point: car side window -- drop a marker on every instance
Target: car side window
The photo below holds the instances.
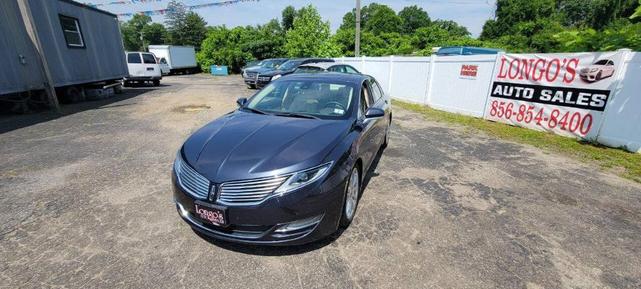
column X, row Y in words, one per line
column 337, row 68
column 148, row 58
column 376, row 91
column 133, row 58
column 365, row 101
column 350, row 69
column 163, row 61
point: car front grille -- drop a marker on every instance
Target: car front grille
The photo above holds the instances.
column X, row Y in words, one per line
column 193, row 182
column 265, row 78
column 249, row 192
column 251, row 75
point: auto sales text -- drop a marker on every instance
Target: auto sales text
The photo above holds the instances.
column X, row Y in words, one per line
column 562, row 96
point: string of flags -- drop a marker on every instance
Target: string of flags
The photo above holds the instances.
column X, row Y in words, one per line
column 164, row 11
column 121, row 2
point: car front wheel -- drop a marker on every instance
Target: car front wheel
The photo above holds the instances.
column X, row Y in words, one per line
column 350, row 204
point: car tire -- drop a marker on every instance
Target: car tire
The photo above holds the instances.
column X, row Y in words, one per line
column 386, row 140
column 352, row 193
column 156, row 82
column 251, row 86
column 599, row 76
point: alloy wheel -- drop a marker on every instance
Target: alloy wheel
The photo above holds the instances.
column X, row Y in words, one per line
column 351, row 199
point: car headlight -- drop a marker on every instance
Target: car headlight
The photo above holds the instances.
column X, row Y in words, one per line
column 244, row 73
column 303, row 178
column 277, row 76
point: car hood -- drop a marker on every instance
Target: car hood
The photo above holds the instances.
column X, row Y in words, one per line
column 243, row 145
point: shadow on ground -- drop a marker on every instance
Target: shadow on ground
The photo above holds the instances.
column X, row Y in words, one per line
column 10, row 121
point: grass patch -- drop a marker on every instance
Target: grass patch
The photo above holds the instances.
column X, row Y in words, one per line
column 618, row 161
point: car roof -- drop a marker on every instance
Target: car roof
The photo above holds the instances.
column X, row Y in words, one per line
column 356, row 79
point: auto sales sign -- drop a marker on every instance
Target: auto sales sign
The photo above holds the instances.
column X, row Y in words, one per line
column 562, row 93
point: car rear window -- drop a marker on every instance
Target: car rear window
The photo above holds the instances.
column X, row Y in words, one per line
column 133, row 58
column 148, row 58
column 308, row 69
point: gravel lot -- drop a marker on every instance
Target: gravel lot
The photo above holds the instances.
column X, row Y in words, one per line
column 85, row 202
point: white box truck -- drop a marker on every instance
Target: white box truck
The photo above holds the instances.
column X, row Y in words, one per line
column 181, row 59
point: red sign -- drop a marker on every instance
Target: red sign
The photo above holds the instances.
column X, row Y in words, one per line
column 469, row 71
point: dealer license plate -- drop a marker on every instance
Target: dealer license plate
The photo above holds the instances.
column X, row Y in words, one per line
column 214, row 215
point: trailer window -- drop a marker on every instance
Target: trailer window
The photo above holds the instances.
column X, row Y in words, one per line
column 71, row 30
column 148, row 58
column 133, row 58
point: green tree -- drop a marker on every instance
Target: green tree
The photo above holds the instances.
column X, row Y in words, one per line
column 184, row 27
column 637, row 12
column 222, row 47
column 266, row 41
column 381, row 19
column 428, row 37
column 594, row 14
column 194, row 30
column 308, row 34
column 288, row 16
column 176, row 14
column 154, row 33
column 413, row 18
column 452, row 27
column 132, row 32
column 511, row 12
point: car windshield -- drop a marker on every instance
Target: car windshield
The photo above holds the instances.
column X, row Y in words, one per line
column 290, row 64
column 325, row 100
column 270, row 63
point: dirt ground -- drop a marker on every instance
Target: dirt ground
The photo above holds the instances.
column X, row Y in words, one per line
column 85, row 202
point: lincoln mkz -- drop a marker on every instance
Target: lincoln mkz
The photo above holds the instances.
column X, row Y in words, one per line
column 287, row 167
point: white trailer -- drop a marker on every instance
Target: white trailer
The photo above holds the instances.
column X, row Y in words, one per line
column 179, row 58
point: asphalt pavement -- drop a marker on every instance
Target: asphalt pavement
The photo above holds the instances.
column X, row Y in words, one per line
column 86, row 202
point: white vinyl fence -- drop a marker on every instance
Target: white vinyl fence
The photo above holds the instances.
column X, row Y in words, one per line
column 462, row 84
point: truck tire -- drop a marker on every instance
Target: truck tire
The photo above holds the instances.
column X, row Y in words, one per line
column 75, row 94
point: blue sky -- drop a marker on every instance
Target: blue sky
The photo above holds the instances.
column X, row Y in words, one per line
column 469, row 13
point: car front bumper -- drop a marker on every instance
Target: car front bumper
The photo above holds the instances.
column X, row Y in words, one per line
column 256, row 82
column 589, row 76
column 299, row 217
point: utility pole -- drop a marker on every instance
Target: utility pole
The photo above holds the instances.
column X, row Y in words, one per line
column 30, row 25
column 357, row 37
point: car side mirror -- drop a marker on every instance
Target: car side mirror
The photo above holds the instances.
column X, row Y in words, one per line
column 241, row 101
column 374, row 112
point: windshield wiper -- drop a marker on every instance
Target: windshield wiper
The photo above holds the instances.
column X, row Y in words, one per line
column 254, row 110
column 294, row 114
